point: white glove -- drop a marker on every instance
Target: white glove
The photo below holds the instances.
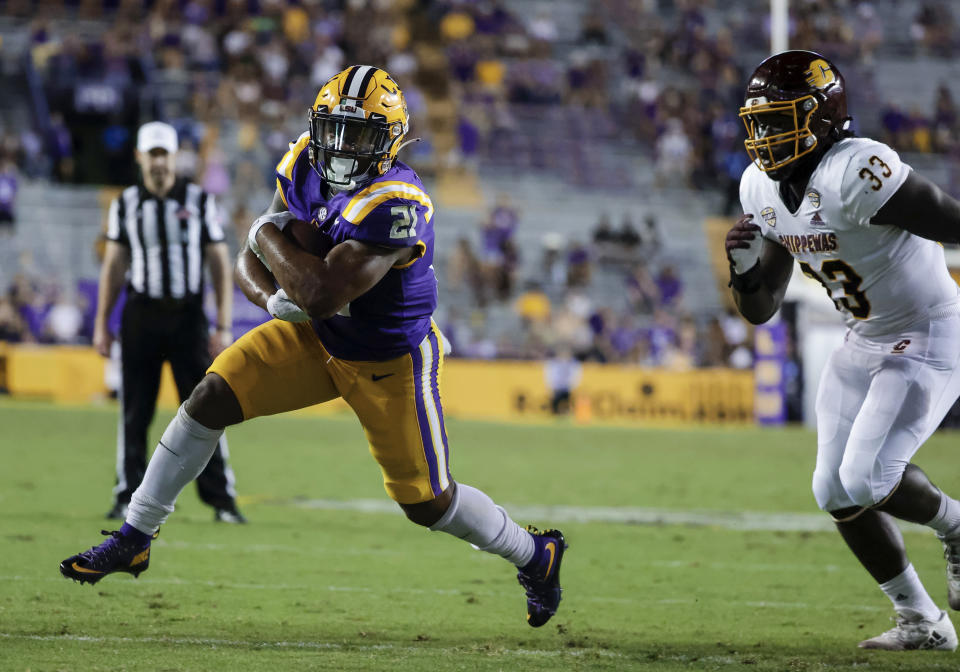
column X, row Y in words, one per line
column 281, row 307
column 279, row 219
column 743, row 243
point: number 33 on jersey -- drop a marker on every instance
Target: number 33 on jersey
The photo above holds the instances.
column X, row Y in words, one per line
column 870, row 272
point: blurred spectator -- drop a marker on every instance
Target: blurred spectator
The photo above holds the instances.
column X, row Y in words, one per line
column 61, row 148
column 563, row 373
column 650, row 238
column 868, row 31
column 670, row 286
column 64, row 320
column 945, row 120
column 8, row 195
column 533, row 306
column 553, row 269
column 932, row 28
column 12, row 327
column 578, row 266
column 464, row 273
column 603, row 231
column 714, row 348
column 499, row 255
column 674, row 156
column 627, row 235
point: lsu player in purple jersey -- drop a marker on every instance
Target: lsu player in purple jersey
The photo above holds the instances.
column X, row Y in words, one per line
column 865, row 226
column 355, row 324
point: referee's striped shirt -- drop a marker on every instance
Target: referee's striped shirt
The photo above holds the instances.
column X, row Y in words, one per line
column 166, row 237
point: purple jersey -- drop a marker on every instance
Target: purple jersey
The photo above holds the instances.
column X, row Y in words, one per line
column 393, row 210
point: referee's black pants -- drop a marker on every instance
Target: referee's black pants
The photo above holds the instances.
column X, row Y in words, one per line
column 153, row 331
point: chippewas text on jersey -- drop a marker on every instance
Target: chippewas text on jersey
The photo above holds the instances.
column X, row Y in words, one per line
column 810, row 242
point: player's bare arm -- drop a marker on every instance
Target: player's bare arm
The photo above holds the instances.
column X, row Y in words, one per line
column 116, row 261
column 218, row 258
column 923, row 209
column 323, row 286
column 758, row 291
column 251, row 276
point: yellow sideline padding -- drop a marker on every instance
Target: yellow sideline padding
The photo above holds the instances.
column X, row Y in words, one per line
column 473, row 389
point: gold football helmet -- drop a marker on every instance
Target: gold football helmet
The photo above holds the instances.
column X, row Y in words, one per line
column 357, row 125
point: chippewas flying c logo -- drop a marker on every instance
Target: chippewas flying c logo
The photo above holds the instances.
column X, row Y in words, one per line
column 819, row 74
column 901, row 346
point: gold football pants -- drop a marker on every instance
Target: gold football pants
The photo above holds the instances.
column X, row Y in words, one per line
column 282, row 366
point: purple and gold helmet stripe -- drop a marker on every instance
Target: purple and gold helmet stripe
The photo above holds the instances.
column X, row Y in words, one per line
column 425, row 369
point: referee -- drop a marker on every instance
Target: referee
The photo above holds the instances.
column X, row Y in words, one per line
column 159, row 234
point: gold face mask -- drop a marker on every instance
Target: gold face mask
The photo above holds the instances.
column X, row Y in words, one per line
column 778, row 132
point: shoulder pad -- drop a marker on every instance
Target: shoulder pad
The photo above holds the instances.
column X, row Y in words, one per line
column 379, row 194
column 285, row 167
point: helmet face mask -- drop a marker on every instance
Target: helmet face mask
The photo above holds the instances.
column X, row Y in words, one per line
column 357, row 125
column 346, row 148
column 795, row 104
column 778, row 133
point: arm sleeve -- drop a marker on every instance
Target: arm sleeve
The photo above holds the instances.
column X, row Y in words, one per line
column 873, row 174
column 212, row 230
column 115, row 229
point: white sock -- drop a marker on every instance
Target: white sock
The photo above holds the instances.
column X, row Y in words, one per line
column 948, row 517
column 184, row 450
column 474, row 517
column 906, row 592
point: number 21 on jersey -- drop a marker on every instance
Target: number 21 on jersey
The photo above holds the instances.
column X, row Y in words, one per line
column 837, row 270
column 403, row 225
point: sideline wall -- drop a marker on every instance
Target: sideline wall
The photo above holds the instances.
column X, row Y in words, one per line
column 482, row 390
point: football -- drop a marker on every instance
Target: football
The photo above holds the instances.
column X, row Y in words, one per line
column 308, row 237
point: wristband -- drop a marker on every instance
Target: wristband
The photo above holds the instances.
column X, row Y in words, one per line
column 746, row 283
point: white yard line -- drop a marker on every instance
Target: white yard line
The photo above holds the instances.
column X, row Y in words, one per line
column 251, row 644
column 731, row 520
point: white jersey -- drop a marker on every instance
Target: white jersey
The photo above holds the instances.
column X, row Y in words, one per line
column 881, row 278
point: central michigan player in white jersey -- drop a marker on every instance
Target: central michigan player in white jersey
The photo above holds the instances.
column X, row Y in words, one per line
column 863, row 224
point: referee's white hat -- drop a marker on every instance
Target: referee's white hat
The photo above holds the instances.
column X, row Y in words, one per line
column 156, row 134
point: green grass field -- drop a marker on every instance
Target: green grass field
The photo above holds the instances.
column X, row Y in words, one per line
column 328, row 576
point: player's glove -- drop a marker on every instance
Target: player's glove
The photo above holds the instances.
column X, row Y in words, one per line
column 278, row 219
column 743, row 245
column 281, row 307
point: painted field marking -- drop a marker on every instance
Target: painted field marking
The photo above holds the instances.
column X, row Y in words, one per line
column 244, row 644
column 731, row 520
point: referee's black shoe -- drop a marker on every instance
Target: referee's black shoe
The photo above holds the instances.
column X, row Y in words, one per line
column 229, row 514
